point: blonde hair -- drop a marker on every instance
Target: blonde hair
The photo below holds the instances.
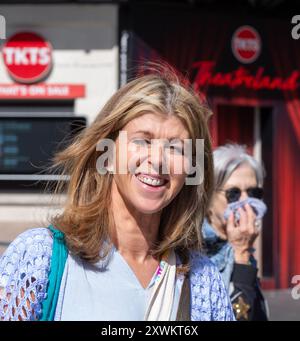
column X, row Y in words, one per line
column 87, row 219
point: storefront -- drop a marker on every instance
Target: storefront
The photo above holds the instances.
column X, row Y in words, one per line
column 58, row 66
column 248, row 68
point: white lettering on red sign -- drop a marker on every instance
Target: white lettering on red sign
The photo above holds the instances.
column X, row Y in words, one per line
column 41, row 91
column 27, row 57
column 246, row 44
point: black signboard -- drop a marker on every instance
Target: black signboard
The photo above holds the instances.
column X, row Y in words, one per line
column 27, row 144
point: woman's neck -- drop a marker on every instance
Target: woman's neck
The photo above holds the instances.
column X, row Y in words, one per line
column 134, row 233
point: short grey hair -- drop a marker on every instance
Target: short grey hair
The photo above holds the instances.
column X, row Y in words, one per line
column 228, row 158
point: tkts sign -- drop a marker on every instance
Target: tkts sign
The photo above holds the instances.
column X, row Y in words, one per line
column 246, row 44
column 27, row 57
column 28, row 60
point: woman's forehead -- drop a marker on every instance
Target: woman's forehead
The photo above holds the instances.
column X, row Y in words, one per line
column 242, row 175
column 155, row 124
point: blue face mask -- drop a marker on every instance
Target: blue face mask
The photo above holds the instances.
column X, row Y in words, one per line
column 258, row 206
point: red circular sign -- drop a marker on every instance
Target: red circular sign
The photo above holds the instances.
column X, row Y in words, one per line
column 27, row 57
column 246, row 44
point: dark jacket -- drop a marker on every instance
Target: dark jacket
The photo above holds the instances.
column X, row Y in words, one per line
column 240, row 279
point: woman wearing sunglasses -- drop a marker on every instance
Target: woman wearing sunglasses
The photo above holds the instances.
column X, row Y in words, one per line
column 232, row 225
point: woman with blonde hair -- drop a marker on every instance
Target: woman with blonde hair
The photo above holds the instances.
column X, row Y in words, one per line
column 127, row 245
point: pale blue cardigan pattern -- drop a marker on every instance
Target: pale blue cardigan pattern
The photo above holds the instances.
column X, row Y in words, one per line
column 24, row 270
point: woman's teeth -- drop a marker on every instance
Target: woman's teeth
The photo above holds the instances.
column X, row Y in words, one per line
column 151, row 181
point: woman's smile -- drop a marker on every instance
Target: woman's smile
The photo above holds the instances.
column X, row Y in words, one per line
column 151, row 183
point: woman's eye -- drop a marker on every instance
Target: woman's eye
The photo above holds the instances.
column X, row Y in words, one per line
column 176, row 149
column 141, row 141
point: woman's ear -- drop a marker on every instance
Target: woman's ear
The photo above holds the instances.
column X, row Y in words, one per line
column 209, row 215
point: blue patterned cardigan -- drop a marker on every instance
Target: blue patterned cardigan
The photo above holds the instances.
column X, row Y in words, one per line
column 25, row 266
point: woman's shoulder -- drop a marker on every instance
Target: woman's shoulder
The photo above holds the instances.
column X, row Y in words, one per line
column 31, row 251
column 33, row 235
column 204, row 275
column 32, row 241
column 24, row 269
column 202, row 265
column 210, row 300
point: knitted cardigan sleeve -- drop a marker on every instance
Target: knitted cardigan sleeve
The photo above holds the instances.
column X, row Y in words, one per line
column 209, row 297
column 24, row 269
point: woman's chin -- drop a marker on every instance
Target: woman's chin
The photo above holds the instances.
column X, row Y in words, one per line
column 149, row 207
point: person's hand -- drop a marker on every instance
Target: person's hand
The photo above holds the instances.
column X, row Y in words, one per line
column 242, row 234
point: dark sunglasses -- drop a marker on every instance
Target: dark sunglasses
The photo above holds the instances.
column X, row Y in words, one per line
column 233, row 194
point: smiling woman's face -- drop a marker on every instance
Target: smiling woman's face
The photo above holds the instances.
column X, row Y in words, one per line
column 147, row 187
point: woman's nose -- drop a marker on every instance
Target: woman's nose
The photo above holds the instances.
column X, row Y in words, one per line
column 244, row 196
column 156, row 157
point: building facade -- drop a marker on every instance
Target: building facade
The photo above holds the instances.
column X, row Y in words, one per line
column 58, row 63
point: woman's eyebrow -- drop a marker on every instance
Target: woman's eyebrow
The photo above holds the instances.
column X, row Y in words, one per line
column 144, row 132
column 149, row 134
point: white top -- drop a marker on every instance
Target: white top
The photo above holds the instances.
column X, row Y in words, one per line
column 107, row 291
